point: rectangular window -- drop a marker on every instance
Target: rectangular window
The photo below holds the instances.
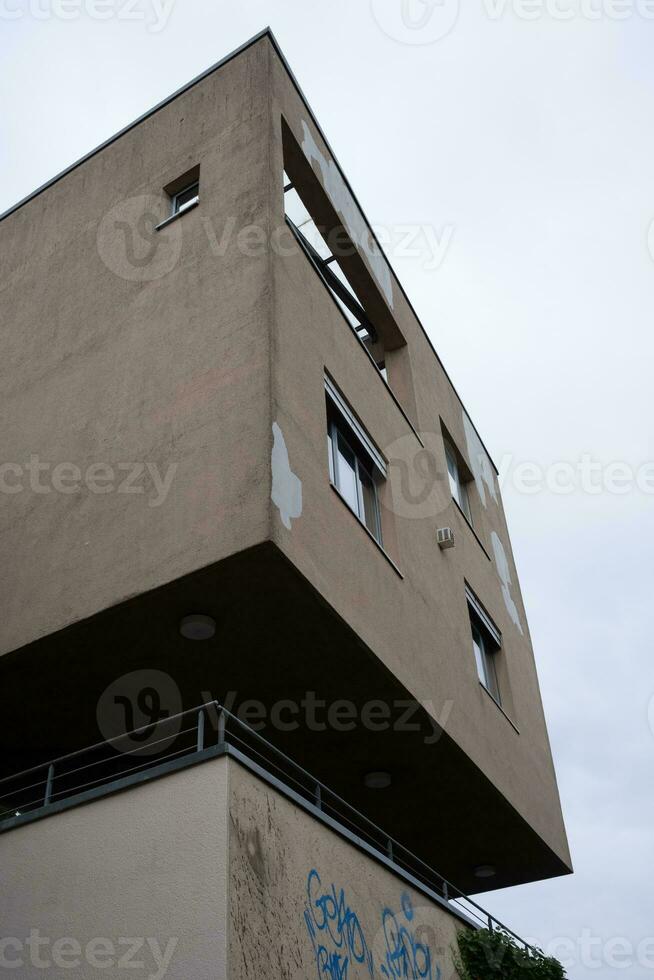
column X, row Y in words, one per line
column 313, row 242
column 183, row 199
column 485, row 660
column 458, row 485
column 355, row 466
column 486, row 644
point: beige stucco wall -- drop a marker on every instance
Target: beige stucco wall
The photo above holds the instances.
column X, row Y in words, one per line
column 149, row 864
column 120, row 345
column 417, row 623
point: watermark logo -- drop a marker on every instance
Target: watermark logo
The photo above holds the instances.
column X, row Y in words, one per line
column 420, row 486
column 416, row 22
column 144, row 707
column 131, row 247
column 415, row 241
column 153, row 13
column 143, row 710
column 418, row 482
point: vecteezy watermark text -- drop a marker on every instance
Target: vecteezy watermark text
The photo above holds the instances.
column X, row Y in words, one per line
column 43, row 477
column 592, row 952
column 153, row 13
column 316, row 714
column 420, row 22
column 100, row 953
column 140, row 711
column 586, row 475
column 131, row 247
column 567, row 10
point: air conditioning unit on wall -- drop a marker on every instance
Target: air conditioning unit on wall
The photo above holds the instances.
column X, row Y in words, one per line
column 445, row 538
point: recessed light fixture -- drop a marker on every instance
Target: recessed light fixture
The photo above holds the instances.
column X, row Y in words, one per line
column 485, row 871
column 377, row 780
column 197, row 627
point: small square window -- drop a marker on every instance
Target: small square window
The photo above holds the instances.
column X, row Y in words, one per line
column 185, row 198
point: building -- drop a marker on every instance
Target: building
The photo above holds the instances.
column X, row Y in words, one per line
column 235, row 470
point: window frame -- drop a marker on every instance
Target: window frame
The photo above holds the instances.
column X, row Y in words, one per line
column 335, row 437
column 485, row 661
column 341, row 293
column 487, row 639
column 176, row 208
column 343, row 426
column 334, row 279
column 458, row 487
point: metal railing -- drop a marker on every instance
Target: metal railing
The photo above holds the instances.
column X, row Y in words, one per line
column 195, row 736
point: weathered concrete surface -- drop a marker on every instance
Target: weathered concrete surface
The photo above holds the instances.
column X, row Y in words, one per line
column 121, row 345
column 306, row 903
column 417, row 625
column 150, row 864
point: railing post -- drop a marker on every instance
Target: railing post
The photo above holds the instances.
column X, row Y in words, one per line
column 221, row 727
column 446, row 892
column 201, row 730
column 389, row 849
column 318, row 796
column 490, row 923
column 48, row 785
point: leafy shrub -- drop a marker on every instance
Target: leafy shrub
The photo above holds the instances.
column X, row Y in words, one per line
column 494, row 955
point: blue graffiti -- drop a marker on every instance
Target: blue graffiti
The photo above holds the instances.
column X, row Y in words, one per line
column 405, row 956
column 407, row 907
column 339, row 942
column 330, row 920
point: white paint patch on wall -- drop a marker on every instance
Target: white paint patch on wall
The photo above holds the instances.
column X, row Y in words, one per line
column 351, row 216
column 286, row 492
column 504, row 572
column 482, row 468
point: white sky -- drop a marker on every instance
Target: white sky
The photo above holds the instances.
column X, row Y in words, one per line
column 527, row 145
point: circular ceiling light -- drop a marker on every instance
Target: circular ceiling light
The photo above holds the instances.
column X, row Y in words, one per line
column 197, row 627
column 377, row 780
column 485, row 871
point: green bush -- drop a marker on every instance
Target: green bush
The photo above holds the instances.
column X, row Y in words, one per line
column 494, row 955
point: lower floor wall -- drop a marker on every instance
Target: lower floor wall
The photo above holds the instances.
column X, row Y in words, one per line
column 132, row 885
column 208, row 874
column 306, row 903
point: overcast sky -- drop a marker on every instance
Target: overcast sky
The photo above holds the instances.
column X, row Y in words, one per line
column 523, row 146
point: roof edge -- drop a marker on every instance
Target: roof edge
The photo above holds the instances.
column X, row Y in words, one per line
column 265, row 32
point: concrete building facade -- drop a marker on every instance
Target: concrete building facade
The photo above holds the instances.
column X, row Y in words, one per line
column 219, row 403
